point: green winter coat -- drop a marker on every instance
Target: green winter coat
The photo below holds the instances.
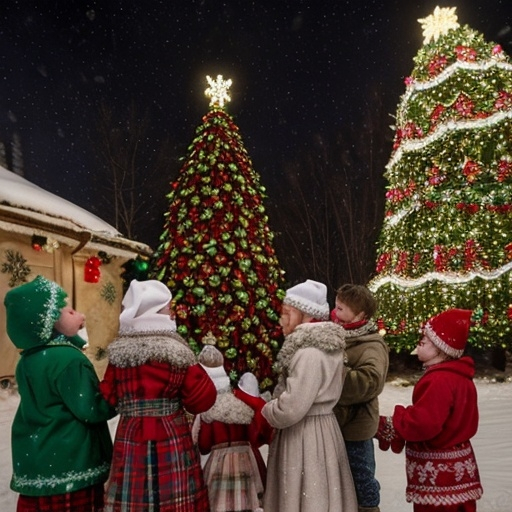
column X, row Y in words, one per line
column 60, row 437
column 367, row 357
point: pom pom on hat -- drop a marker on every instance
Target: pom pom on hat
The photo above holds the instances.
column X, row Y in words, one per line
column 212, row 360
column 449, row 331
column 248, row 383
column 211, row 357
column 310, row 298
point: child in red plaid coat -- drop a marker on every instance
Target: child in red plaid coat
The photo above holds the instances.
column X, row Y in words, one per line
column 235, row 471
column 152, row 378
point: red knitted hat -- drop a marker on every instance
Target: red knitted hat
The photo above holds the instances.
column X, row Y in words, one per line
column 449, row 331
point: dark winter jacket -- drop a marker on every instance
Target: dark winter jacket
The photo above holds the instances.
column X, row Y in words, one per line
column 357, row 410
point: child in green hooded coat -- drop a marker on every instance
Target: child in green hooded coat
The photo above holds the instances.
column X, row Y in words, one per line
column 61, row 445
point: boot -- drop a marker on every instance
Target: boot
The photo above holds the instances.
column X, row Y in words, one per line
column 368, row 509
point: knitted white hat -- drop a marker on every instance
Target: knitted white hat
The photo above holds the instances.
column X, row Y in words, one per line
column 248, row 383
column 310, row 298
column 142, row 302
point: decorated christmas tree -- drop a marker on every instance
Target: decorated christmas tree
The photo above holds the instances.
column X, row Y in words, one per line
column 216, row 252
column 446, row 240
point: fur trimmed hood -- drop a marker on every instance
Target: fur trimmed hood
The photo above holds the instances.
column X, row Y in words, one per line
column 136, row 349
column 228, row 409
column 325, row 336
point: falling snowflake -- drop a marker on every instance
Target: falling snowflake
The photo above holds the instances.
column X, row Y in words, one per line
column 16, row 265
column 108, row 293
column 439, row 23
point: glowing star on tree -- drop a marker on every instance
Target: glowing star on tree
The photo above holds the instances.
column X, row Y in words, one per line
column 439, row 23
column 218, row 90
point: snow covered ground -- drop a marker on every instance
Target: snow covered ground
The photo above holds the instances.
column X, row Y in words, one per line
column 493, row 447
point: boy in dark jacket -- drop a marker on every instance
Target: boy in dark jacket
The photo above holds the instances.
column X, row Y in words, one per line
column 357, row 410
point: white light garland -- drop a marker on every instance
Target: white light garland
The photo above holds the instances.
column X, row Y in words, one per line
column 443, row 277
column 471, row 124
column 218, row 90
column 394, row 219
column 451, row 196
column 445, row 75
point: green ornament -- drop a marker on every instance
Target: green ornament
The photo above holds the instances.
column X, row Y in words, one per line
column 242, row 296
column 211, row 251
column 198, row 291
column 248, row 338
column 214, row 280
column 199, row 310
column 224, row 271
column 188, row 282
column 245, row 264
column 230, row 353
column 230, row 248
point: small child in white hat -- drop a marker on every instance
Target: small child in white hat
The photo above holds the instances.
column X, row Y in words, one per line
column 233, row 469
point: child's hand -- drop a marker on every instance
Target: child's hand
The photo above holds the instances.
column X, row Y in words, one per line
column 388, row 437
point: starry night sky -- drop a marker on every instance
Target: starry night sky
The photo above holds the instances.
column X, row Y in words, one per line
column 299, row 69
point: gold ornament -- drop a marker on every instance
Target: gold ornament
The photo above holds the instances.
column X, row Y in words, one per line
column 209, row 339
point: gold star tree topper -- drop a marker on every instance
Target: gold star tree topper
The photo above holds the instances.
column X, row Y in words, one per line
column 218, row 90
column 439, row 23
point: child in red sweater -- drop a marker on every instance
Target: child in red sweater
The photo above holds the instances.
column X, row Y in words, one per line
column 442, row 473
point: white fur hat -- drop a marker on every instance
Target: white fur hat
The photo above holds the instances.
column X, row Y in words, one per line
column 248, row 383
column 309, row 297
column 142, row 301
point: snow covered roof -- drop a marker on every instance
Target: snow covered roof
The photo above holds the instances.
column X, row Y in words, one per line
column 30, row 207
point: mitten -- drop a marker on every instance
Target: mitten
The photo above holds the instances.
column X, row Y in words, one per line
column 388, row 437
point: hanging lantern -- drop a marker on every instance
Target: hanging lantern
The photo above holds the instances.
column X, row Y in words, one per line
column 92, row 272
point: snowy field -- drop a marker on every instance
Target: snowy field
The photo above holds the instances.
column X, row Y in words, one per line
column 492, row 444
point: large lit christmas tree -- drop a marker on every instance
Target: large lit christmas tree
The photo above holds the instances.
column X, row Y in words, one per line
column 216, row 252
column 447, row 234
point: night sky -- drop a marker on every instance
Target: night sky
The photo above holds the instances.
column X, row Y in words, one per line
column 299, row 69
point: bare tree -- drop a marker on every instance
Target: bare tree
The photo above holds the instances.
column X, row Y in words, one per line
column 134, row 172
column 330, row 211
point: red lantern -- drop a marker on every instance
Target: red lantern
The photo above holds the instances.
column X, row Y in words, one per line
column 92, row 272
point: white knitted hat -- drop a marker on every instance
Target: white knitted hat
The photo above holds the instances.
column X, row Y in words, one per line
column 310, row 298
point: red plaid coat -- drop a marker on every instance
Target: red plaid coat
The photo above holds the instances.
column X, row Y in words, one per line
column 152, row 379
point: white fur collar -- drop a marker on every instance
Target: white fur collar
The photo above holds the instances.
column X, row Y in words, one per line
column 325, row 336
column 228, row 409
column 136, row 349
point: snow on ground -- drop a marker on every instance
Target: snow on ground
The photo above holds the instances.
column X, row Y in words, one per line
column 492, row 444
